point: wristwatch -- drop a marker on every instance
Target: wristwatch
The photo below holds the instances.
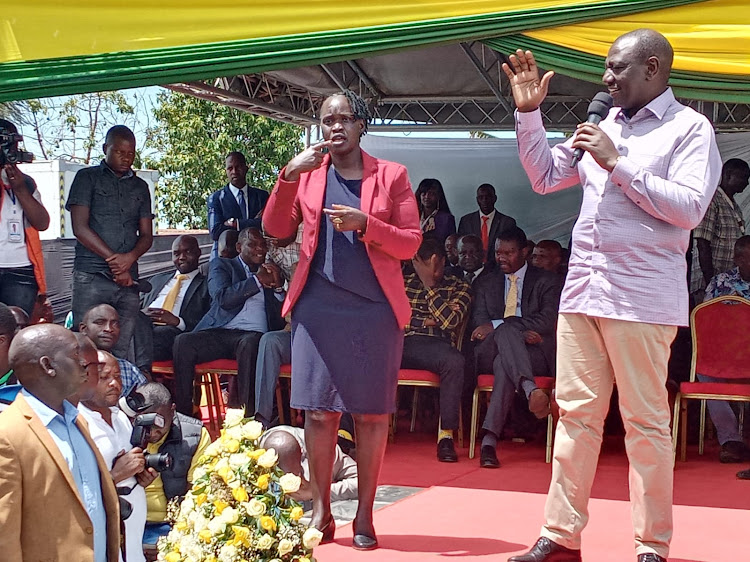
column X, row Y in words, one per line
column 278, row 290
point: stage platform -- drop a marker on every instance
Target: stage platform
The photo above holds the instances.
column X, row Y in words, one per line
column 436, row 511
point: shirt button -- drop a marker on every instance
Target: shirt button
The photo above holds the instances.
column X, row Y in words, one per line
column 597, row 221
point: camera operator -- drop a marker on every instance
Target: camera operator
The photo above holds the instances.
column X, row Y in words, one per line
column 111, row 430
column 185, row 439
column 22, row 216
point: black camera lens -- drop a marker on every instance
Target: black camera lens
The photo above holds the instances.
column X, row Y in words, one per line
column 159, row 461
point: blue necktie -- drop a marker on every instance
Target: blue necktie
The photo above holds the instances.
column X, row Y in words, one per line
column 243, row 205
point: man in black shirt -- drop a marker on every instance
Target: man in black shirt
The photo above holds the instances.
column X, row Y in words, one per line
column 112, row 220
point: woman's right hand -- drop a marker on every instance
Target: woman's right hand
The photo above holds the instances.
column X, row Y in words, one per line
column 306, row 161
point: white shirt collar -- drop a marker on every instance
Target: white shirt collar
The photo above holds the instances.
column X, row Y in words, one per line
column 190, row 276
column 490, row 217
column 235, row 190
column 520, row 274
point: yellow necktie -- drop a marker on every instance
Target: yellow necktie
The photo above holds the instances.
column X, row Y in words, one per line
column 511, row 301
column 171, row 297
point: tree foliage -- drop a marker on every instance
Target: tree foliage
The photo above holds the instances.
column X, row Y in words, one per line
column 73, row 127
column 192, row 138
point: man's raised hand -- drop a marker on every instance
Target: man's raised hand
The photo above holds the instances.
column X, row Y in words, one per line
column 528, row 90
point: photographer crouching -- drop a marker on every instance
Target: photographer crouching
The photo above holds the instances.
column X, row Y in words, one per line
column 182, row 437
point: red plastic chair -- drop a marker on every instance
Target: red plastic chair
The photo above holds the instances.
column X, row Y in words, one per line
column 419, row 378
column 209, row 373
column 485, row 383
column 721, row 349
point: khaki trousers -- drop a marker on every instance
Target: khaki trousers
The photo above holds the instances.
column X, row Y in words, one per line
column 592, row 355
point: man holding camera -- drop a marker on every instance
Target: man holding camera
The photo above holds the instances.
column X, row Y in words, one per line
column 111, row 431
column 184, row 439
column 22, row 217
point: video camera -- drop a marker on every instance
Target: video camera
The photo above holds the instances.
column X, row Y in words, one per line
column 9, row 151
column 133, row 404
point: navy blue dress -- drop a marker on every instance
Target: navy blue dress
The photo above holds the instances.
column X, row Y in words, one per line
column 346, row 343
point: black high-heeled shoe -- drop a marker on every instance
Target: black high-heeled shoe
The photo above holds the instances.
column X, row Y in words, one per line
column 362, row 541
column 328, row 530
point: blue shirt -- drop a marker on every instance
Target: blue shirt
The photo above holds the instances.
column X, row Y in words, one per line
column 726, row 284
column 130, row 376
column 520, row 276
column 81, row 461
column 252, row 317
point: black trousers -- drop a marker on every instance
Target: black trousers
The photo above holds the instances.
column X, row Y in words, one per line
column 510, row 359
column 207, row 345
column 440, row 357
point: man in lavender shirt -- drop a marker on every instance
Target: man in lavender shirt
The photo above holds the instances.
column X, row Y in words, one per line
column 648, row 172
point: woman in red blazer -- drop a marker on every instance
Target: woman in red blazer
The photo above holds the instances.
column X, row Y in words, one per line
column 360, row 220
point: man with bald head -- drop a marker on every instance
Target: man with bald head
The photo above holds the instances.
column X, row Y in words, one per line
column 178, row 299
column 648, row 172
column 57, row 499
column 289, row 444
column 102, row 325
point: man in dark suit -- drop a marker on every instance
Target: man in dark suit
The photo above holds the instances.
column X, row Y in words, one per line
column 514, row 314
column 487, row 222
column 178, row 299
column 471, row 262
column 236, row 205
column 246, row 297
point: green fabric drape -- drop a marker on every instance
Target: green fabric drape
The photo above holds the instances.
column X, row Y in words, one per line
column 41, row 78
column 585, row 66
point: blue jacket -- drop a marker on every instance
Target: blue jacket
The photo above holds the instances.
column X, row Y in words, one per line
column 229, row 288
column 222, row 206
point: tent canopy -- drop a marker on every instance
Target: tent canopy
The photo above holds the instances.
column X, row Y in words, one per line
column 51, row 48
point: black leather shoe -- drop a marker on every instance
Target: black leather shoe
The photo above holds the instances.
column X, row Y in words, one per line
column 488, row 457
column 445, row 450
column 744, row 474
column 547, row 551
column 733, row 452
column 650, row 557
column 364, row 542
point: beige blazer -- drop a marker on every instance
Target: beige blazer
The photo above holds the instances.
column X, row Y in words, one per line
column 42, row 517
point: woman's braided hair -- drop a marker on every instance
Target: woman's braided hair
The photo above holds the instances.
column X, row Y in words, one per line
column 358, row 106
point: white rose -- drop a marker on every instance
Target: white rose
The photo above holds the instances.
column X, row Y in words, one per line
column 311, row 538
column 290, row 483
column 199, row 473
column 252, row 430
column 227, row 553
column 265, row 542
column 234, row 432
column 230, row 515
column 285, row 547
column 268, row 459
column 187, row 506
column 217, row 526
column 213, row 450
column 223, row 463
column 234, row 483
column 234, row 417
column 254, row 508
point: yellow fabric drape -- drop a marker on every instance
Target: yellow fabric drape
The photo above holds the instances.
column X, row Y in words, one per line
column 708, row 37
column 48, row 29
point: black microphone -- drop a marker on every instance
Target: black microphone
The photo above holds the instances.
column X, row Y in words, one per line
column 598, row 110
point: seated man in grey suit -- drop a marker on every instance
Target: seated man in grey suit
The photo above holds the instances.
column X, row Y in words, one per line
column 487, row 222
column 246, row 296
column 514, row 314
column 177, row 300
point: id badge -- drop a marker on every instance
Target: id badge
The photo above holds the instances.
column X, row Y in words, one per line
column 15, row 232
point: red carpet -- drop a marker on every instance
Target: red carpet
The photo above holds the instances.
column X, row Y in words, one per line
column 474, row 514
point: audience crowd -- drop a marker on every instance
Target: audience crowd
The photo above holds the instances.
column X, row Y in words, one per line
column 484, row 301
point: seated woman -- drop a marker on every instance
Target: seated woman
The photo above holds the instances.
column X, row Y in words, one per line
column 435, row 216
